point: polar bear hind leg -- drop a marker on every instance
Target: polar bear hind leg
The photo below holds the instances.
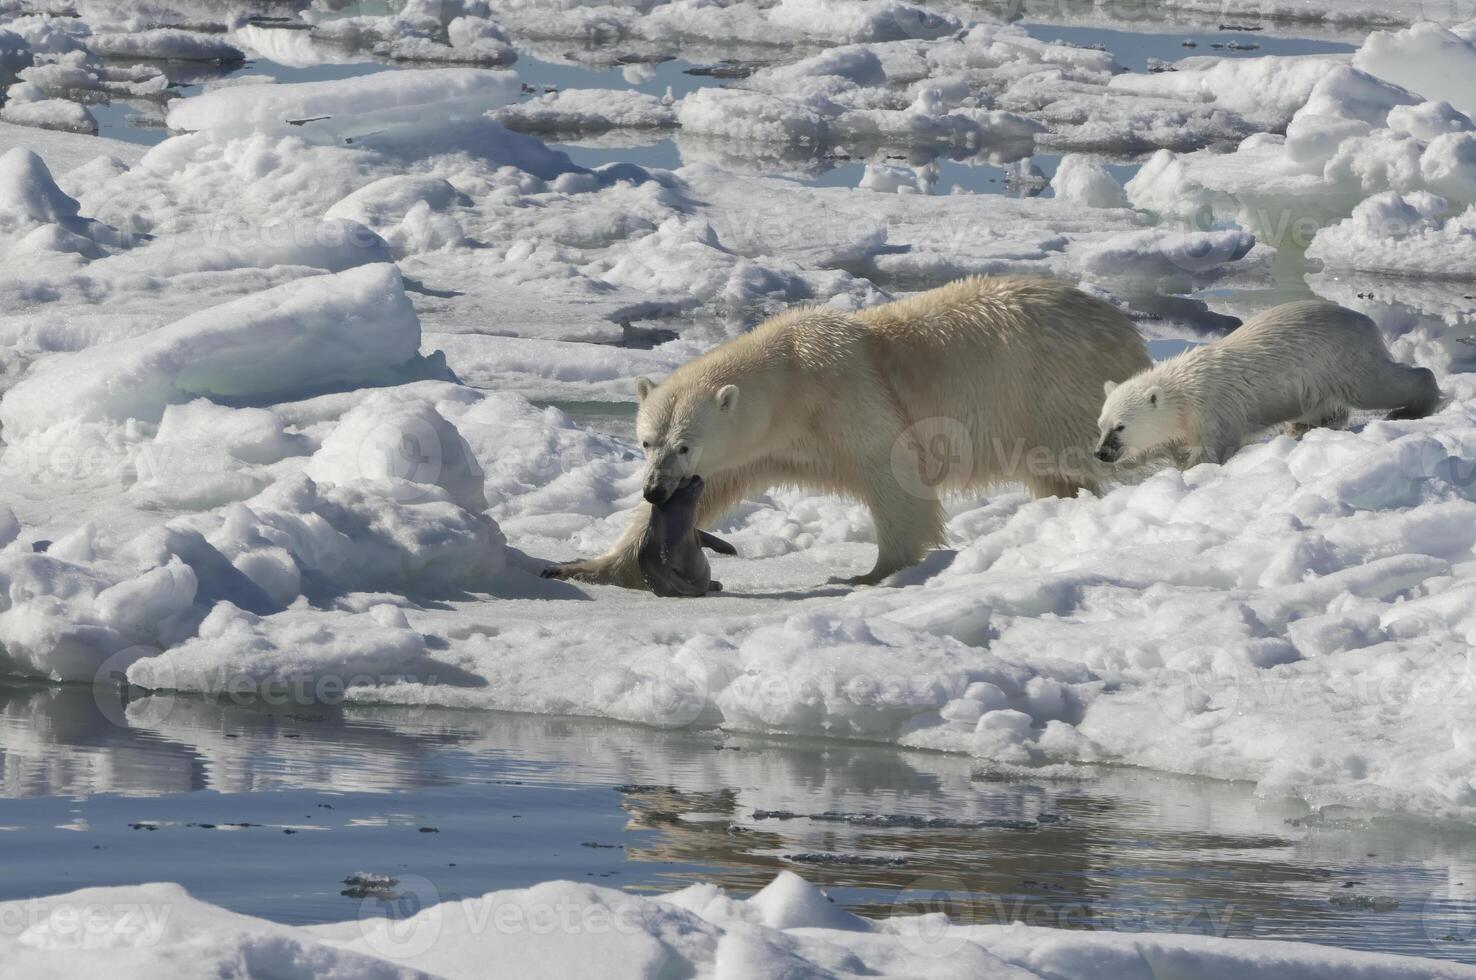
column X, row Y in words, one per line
column 1056, row 485
column 1404, row 392
column 1321, row 417
column 907, row 522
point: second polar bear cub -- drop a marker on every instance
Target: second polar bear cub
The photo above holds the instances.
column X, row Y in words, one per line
column 1305, row 364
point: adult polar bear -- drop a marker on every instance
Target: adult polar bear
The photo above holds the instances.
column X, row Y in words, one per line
column 979, row 382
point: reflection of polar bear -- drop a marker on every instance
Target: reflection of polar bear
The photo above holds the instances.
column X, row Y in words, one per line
column 1302, row 363
column 981, row 381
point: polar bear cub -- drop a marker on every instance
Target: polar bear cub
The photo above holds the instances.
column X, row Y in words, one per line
column 1305, row 364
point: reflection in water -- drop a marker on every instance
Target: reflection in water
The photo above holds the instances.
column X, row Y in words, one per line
column 100, row 791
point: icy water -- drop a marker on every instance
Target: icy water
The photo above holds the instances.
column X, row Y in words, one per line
column 142, row 121
column 266, row 809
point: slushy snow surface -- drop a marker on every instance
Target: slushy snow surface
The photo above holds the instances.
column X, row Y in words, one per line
column 275, row 416
column 561, row 929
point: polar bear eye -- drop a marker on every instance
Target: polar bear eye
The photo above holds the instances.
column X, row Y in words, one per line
column 645, row 445
column 1120, row 427
column 682, row 450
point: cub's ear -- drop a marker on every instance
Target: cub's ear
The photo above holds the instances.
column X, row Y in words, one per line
column 727, row 397
column 1154, row 397
column 643, row 388
column 1107, row 387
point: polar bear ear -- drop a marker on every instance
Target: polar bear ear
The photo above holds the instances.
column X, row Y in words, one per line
column 643, row 388
column 727, row 397
column 1107, row 387
column 1153, row 397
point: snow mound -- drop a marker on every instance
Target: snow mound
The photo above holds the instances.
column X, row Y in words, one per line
column 344, row 106
column 846, row 21
column 166, row 44
column 160, row 931
column 37, row 219
column 1156, row 252
column 1080, row 180
column 1427, row 59
column 394, row 437
column 350, row 328
column 588, row 111
column 1413, row 234
column 789, row 929
column 1394, row 121
column 58, row 114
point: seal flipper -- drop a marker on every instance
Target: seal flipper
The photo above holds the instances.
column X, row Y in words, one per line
column 670, row 583
column 714, row 543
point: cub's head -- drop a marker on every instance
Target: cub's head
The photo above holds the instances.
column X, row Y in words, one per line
column 682, row 422
column 1135, row 419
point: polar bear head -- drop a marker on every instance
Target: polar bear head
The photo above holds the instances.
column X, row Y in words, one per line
column 1135, row 419
column 683, row 423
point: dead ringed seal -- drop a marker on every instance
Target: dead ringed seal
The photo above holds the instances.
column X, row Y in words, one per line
column 670, row 556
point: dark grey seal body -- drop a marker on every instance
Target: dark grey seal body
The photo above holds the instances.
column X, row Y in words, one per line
column 670, row 556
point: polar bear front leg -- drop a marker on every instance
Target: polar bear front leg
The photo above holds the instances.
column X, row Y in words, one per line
column 1217, row 443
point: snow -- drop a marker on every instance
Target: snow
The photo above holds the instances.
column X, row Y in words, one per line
column 391, row 438
column 341, row 330
column 1389, row 123
column 59, row 114
column 64, row 152
column 1414, row 234
column 562, row 929
column 165, row 43
column 385, row 98
column 1350, row 13
column 1427, row 58
column 1080, row 180
column 588, row 110
column 1269, row 90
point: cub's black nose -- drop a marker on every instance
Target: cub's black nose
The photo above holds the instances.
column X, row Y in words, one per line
column 1107, row 454
column 656, row 495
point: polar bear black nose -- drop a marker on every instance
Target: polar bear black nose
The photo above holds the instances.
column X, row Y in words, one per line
column 656, row 495
column 1107, row 453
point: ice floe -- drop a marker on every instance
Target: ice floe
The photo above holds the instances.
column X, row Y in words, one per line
column 562, row 928
column 1379, row 152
